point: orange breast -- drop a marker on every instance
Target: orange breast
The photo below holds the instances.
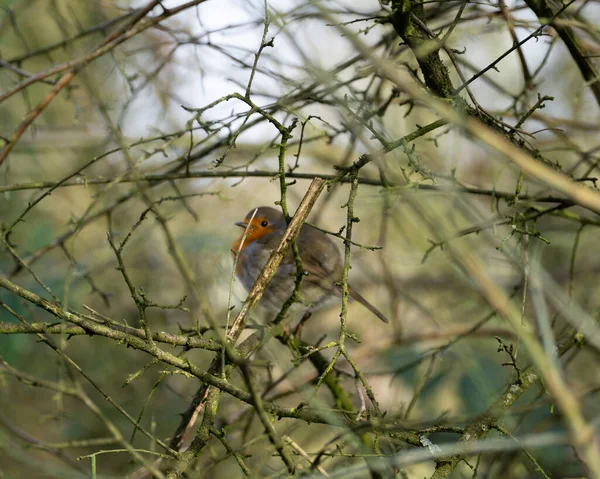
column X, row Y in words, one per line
column 249, row 235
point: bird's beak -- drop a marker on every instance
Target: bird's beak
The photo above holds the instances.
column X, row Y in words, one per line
column 241, row 224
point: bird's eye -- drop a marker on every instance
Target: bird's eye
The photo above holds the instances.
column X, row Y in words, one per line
column 264, row 224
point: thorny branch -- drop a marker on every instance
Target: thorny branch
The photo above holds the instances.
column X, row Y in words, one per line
column 403, row 123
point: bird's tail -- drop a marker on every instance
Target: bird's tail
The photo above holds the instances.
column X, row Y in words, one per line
column 355, row 295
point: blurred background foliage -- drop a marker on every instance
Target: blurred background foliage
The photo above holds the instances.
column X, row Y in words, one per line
column 123, row 113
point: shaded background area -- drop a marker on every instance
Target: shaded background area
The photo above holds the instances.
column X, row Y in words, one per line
column 135, row 111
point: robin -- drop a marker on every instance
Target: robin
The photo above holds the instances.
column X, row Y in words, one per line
column 321, row 262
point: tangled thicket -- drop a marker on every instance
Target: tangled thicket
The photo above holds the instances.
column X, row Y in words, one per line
column 450, row 148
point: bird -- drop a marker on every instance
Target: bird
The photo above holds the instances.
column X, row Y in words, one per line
column 322, row 263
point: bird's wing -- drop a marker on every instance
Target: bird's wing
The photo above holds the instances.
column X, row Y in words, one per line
column 320, row 257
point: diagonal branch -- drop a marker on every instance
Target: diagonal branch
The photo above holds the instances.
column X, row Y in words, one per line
column 546, row 11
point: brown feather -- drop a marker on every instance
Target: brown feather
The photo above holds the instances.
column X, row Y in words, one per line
column 321, row 259
column 354, row 295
